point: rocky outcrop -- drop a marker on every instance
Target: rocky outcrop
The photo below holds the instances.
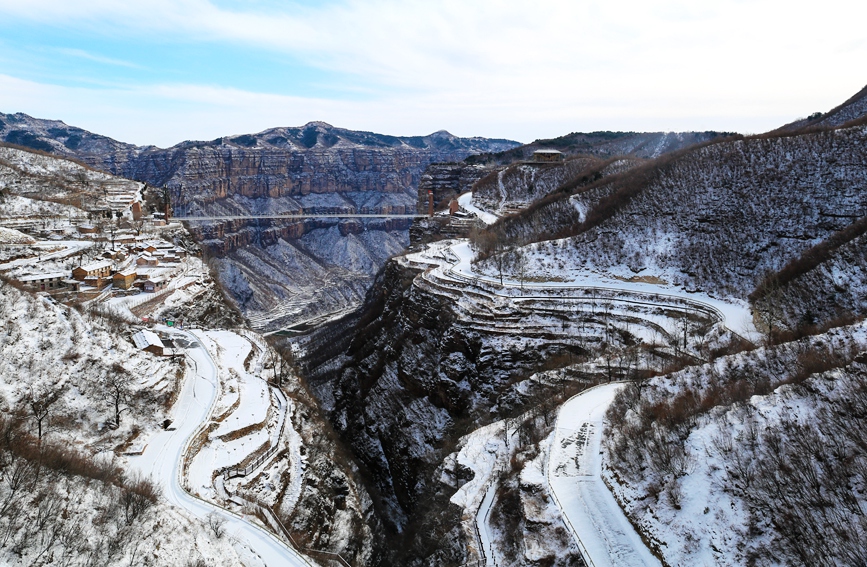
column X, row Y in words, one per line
column 446, row 181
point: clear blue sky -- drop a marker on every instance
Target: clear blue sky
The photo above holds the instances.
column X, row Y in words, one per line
column 164, row 71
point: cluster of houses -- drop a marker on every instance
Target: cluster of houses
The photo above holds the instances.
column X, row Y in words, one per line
column 147, row 265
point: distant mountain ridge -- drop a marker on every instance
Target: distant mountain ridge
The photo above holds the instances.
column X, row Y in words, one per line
column 279, row 273
column 604, row 144
column 56, row 136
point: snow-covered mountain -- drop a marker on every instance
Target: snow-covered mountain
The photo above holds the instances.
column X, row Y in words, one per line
column 714, row 293
column 312, row 168
column 717, row 217
column 99, row 411
column 459, row 341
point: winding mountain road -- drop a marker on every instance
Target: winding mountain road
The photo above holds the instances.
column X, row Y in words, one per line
column 164, row 453
column 604, row 535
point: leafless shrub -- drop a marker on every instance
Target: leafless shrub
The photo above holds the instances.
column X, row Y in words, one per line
column 138, row 495
column 217, row 524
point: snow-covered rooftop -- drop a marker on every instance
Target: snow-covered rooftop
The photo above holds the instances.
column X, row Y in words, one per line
column 145, row 338
column 96, row 266
column 48, row 276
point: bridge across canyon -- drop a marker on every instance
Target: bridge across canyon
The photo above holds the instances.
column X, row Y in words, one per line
column 297, row 216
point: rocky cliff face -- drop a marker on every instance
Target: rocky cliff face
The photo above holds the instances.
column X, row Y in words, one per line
column 428, row 359
column 446, row 181
column 415, row 375
column 279, row 273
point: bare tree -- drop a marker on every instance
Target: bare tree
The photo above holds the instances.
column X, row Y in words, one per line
column 138, row 225
column 770, row 309
column 282, row 363
column 113, row 387
column 217, row 524
column 521, row 264
column 40, row 405
column 112, row 227
column 138, row 496
column 80, row 177
column 510, row 427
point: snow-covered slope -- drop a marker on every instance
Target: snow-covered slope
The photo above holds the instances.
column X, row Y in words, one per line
column 49, row 178
column 49, row 349
column 714, row 218
column 69, row 377
column 824, row 284
column 754, row 459
column 516, row 186
column 853, row 109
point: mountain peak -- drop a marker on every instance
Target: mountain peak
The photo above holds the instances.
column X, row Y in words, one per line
column 318, row 124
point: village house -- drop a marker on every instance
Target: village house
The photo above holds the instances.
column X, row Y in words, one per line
column 148, row 341
column 97, row 282
column 547, row 156
column 124, row 279
column 87, row 229
column 92, row 270
column 147, row 260
column 44, row 282
column 152, row 285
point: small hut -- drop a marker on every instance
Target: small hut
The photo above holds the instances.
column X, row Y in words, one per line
column 547, row 156
column 149, row 341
